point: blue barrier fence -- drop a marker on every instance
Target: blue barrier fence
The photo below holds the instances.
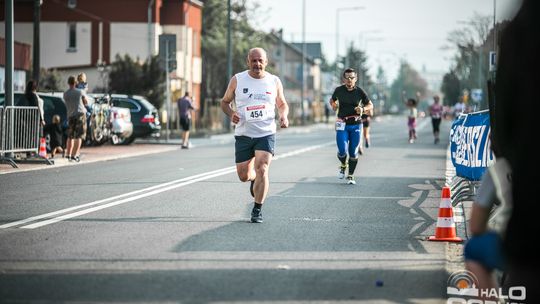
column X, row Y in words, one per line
column 470, row 145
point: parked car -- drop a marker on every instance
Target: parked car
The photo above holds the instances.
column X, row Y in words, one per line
column 144, row 115
column 118, row 122
column 53, row 104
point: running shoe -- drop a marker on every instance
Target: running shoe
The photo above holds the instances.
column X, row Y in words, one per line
column 256, row 215
column 251, row 188
column 341, row 173
column 367, row 143
column 350, row 180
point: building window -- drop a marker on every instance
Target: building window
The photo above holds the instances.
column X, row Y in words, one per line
column 72, row 3
column 72, row 37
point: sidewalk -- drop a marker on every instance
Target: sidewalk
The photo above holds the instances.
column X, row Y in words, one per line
column 141, row 147
column 92, row 154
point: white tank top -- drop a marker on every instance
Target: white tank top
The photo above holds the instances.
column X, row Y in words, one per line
column 256, row 103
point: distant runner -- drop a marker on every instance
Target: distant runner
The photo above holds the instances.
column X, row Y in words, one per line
column 350, row 102
column 436, row 111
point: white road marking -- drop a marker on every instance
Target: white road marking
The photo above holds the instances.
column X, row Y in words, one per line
column 134, row 195
column 47, row 215
column 123, row 201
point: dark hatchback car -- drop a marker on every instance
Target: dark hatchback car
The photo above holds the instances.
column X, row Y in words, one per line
column 144, row 115
column 53, row 103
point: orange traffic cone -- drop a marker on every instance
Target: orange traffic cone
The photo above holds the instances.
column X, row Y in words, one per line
column 446, row 227
column 43, row 148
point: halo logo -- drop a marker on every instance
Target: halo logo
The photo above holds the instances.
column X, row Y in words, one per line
column 462, row 288
column 462, row 283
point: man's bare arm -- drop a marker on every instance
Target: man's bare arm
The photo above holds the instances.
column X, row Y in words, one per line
column 283, row 106
column 333, row 104
column 227, row 99
column 368, row 109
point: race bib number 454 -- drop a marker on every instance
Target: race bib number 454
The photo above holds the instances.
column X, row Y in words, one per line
column 256, row 113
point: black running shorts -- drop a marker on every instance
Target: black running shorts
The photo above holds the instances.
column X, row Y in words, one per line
column 245, row 146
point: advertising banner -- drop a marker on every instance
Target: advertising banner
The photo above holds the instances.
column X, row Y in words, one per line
column 470, row 145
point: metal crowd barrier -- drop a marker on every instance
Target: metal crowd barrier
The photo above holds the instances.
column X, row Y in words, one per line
column 20, row 128
column 471, row 155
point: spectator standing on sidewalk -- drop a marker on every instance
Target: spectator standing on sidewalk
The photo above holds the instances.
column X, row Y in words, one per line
column 459, row 108
column 32, row 99
column 257, row 94
column 76, row 102
column 185, row 106
column 436, row 111
column 327, row 109
column 515, row 121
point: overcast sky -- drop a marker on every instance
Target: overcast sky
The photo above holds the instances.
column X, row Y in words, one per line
column 389, row 29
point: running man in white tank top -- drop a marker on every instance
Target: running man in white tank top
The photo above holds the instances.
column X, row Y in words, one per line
column 257, row 94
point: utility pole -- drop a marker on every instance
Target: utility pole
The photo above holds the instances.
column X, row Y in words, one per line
column 167, row 55
column 150, row 31
column 303, row 88
column 9, row 65
column 36, row 44
column 168, row 81
column 226, row 119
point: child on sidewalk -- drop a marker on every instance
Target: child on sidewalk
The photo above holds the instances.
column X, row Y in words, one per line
column 55, row 134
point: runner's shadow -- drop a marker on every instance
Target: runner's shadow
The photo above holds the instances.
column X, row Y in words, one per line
column 321, row 216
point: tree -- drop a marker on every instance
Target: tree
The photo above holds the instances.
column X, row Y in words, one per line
column 130, row 77
column 357, row 59
column 153, row 82
column 50, row 80
column 382, row 84
column 214, row 43
column 472, row 44
column 451, row 88
column 125, row 76
column 408, row 82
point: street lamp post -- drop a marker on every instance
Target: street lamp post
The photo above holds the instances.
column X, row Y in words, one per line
column 226, row 123
column 303, row 89
column 338, row 10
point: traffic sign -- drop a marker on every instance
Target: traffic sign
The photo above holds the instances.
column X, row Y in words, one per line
column 476, row 94
column 167, row 51
column 492, row 61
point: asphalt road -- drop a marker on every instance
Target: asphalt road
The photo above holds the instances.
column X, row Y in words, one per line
column 174, row 226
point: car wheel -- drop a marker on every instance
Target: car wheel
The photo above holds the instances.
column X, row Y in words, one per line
column 116, row 140
column 128, row 140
